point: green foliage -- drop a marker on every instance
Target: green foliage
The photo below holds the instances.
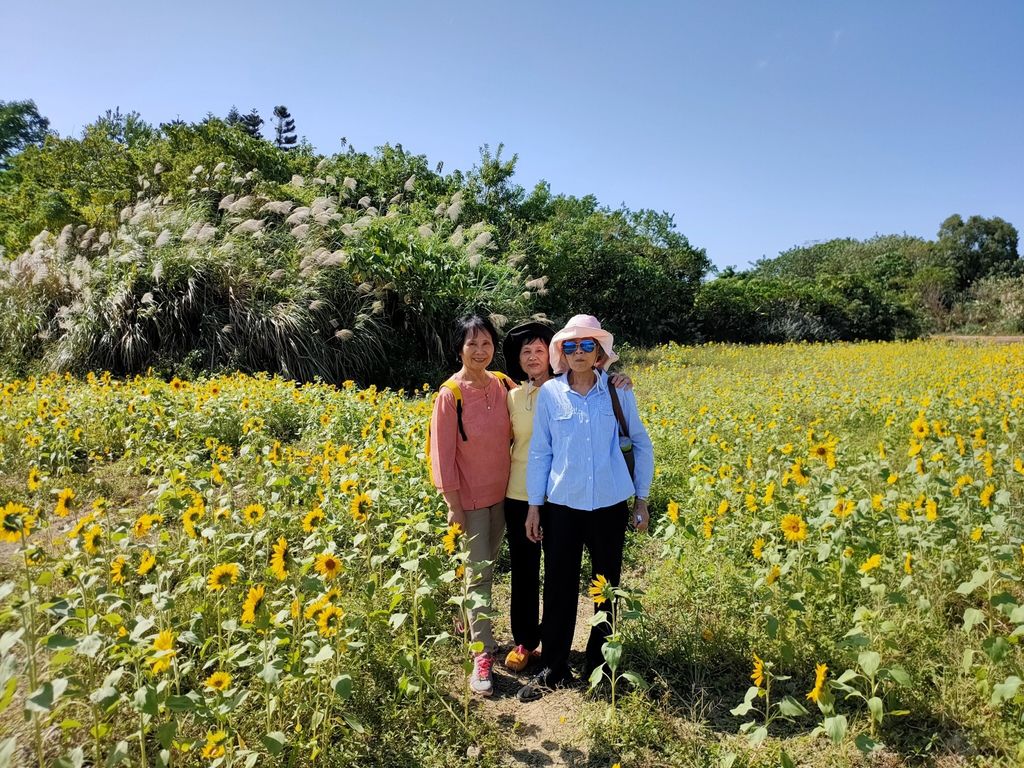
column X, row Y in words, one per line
column 631, row 269
column 978, row 247
column 21, row 126
column 768, row 310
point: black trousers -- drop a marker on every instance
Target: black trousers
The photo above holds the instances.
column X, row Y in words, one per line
column 524, row 612
column 566, row 532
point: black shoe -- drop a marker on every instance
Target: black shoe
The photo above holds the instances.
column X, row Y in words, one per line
column 543, row 682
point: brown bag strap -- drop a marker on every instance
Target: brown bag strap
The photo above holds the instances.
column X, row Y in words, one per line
column 623, row 429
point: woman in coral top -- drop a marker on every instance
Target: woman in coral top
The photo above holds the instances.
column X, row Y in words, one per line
column 470, row 466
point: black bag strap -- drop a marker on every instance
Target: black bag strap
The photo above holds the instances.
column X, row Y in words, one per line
column 619, row 417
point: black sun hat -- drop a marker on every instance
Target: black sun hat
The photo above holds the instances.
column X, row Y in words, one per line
column 514, row 341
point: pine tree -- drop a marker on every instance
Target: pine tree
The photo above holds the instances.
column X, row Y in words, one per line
column 251, row 124
column 286, row 137
column 234, row 116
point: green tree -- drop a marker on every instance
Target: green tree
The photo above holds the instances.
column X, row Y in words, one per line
column 21, row 126
column 284, row 131
column 977, row 247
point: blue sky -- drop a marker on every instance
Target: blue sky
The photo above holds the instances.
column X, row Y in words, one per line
column 758, row 124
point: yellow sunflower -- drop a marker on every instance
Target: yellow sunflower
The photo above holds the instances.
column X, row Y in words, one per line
column 64, row 499
column 758, row 674
column 820, row 671
column 600, row 589
column 758, row 549
column 91, row 539
column 252, row 603
column 673, row 512
column 312, row 520
column 360, row 507
column 253, row 513
column 793, row 528
column 214, row 746
column 218, row 681
column 146, row 563
column 117, row 569
column 34, row 479
column 328, row 565
column 870, row 564
column 329, row 620
column 15, row 521
column 163, row 652
column 222, row 576
column 277, row 559
column 450, row 539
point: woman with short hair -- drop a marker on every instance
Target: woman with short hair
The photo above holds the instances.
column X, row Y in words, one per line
column 469, row 455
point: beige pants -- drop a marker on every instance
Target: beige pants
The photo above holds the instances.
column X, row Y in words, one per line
column 484, row 529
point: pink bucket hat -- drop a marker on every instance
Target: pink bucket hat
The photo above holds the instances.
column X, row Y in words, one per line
column 581, row 327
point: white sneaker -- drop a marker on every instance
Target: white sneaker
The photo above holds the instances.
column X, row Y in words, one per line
column 480, row 680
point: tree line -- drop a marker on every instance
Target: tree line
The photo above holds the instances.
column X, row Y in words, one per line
column 205, row 245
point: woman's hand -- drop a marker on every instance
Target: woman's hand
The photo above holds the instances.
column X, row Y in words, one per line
column 641, row 517
column 533, row 529
column 457, row 517
column 456, row 514
column 621, row 381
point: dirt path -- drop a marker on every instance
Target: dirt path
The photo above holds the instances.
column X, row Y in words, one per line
column 962, row 339
column 547, row 732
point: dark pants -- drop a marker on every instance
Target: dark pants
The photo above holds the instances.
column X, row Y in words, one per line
column 524, row 554
column 566, row 532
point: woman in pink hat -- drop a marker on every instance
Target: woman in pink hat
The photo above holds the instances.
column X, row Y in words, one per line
column 578, row 487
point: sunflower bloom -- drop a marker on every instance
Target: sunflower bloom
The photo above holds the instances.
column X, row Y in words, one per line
column 843, row 508
column 117, row 569
column 758, row 674
column 146, row 563
column 252, row 603
column 64, row 499
column 769, row 493
column 599, row 589
column 34, row 480
column 15, row 521
column 163, row 652
column 218, row 681
column 793, row 528
column 328, row 565
column 312, row 520
column 758, row 548
column 360, row 507
column 450, row 539
column 253, row 513
column 673, row 512
column 773, row 576
column 907, row 567
column 976, row 534
column 329, row 620
column 214, row 746
column 91, row 539
column 820, row 671
column 222, row 576
column 986, row 495
column 870, row 564
column 190, row 518
column 277, row 560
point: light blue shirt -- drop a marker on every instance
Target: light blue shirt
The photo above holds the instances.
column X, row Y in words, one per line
column 575, row 459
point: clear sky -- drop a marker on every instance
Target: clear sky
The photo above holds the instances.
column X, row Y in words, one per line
column 759, row 124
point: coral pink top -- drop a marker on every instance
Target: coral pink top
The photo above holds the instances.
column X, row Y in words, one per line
column 477, row 467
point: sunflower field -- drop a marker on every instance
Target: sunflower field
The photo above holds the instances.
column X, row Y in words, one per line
column 243, row 570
